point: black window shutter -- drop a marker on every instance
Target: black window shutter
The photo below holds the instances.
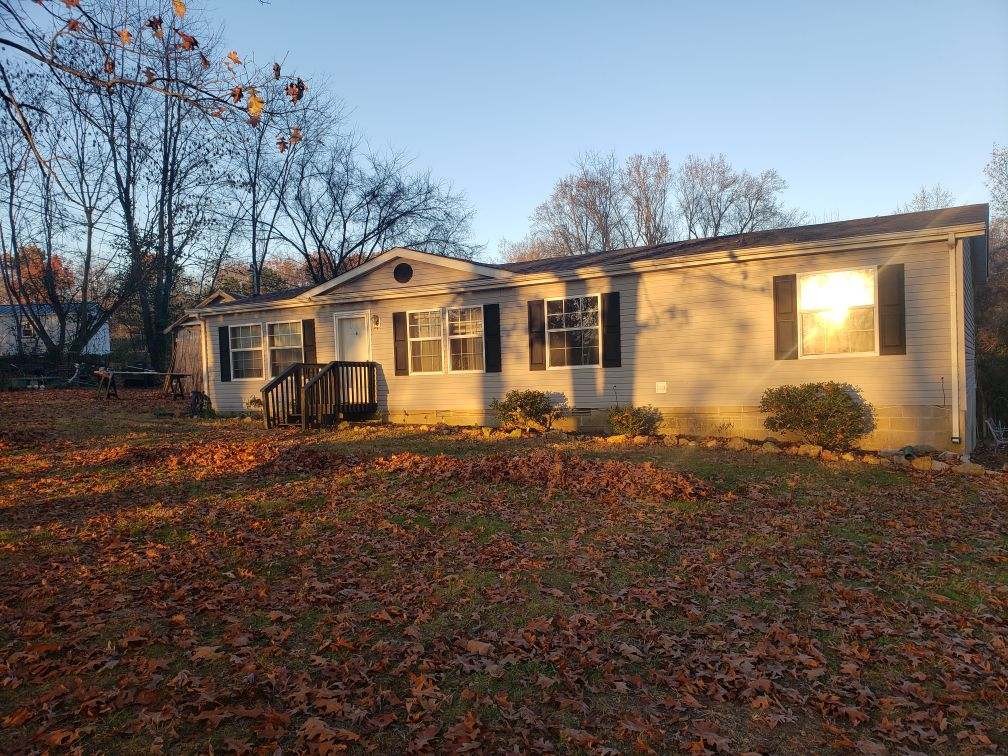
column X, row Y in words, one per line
column 308, row 338
column 492, row 337
column 892, row 309
column 224, row 349
column 785, row 297
column 537, row 334
column 400, row 343
column 612, row 355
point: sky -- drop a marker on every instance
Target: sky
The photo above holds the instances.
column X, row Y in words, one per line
column 856, row 104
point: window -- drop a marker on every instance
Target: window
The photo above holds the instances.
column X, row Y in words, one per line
column 28, row 331
column 572, row 331
column 403, row 272
column 246, row 351
column 465, row 338
column 286, row 346
column 425, row 341
column 837, row 312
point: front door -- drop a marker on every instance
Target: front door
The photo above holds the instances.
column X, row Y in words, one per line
column 353, row 339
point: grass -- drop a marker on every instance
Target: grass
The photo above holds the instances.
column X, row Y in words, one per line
column 261, row 582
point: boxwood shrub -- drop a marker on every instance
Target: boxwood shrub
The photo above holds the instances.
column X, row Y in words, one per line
column 529, row 409
column 830, row 414
column 635, row 421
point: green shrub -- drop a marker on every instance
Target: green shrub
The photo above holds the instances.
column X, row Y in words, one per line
column 635, row 421
column 529, row 410
column 829, row 414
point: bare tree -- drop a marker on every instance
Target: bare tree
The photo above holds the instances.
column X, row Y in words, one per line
column 717, row 200
column 344, row 205
column 933, row 198
column 647, row 184
column 130, row 45
column 262, row 158
column 606, row 205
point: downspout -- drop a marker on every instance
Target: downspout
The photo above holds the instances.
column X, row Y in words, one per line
column 955, row 305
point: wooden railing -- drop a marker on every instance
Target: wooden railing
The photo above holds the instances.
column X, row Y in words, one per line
column 281, row 397
column 340, row 391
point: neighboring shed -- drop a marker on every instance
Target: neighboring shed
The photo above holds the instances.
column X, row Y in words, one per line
column 188, row 343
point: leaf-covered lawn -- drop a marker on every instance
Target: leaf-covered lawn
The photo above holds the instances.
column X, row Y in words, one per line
column 188, row 584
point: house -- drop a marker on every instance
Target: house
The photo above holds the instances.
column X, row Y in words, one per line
column 18, row 335
column 697, row 328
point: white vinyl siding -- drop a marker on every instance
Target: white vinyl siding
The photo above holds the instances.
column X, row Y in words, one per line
column 706, row 332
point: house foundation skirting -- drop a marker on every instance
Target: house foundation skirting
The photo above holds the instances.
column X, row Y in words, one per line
column 896, row 425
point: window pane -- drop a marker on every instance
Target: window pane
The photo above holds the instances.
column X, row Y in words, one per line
column 284, row 334
column 846, row 332
column 465, row 321
column 281, row 359
column 246, row 337
column 467, row 353
column 837, row 290
column 247, row 363
column 425, row 324
column 425, row 356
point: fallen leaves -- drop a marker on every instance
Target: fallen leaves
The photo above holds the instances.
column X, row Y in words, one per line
column 382, row 591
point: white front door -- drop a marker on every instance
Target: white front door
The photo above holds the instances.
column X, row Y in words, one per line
column 353, row 338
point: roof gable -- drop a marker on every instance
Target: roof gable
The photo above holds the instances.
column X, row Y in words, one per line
column 427, row 269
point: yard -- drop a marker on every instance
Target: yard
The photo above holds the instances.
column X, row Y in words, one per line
column 186, row 584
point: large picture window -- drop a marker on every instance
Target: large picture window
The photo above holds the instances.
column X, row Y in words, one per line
column 426, row 340
column 465, row 339
column 246, row 351
column 573, row 331
column 286, row 345
column 837, row 313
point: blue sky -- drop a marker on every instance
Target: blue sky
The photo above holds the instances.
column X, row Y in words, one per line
column 856, row 104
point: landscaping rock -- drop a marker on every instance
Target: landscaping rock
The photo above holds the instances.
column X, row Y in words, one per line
column 939, row 466
column 809, row 450
column 711, row 443
column 921, row 463
column 969, row 468
column 950, row 458
column 737, row 444
column 848, row 457
column 516, row 433
column 683, row 441
column 617, row 439
column 642, row 440
column 829, row 456
column 871, row 459
column 769, row 447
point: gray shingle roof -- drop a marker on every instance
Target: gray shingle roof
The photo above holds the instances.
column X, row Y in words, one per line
column 883, row 224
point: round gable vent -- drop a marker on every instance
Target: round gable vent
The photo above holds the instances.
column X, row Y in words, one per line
column 402, row 272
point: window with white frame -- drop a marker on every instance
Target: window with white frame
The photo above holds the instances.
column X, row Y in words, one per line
column 837, row 312
column 426, row 341
column 286, row 345
column 465, row 339
column 246, row 351
column 573, row 332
